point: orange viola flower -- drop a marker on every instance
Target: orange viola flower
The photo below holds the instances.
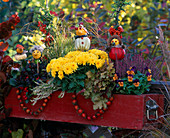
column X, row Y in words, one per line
column 130, row 72
column 115, row 77
column 120, row 83
column 136, row 84
column 149, row 77
column 149, row 70
column 130, row 78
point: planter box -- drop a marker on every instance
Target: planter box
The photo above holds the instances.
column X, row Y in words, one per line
column 126, row 111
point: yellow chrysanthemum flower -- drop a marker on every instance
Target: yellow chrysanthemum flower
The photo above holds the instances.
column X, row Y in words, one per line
column 99, row 63
column 61, row 75
column 70, row 62
column 74, row 65
column 53, row 73
column 56, row 67
column 48, row 68
column 67, row 69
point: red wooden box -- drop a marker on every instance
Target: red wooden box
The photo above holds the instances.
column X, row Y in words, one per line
column 126, row 111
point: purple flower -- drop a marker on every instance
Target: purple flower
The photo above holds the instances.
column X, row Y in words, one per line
column 136, row 80
column 133, row 68
column 146, row 68
column 148, row 74
column 130, row 75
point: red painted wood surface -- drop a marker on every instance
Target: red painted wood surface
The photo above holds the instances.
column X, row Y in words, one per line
column 126, row 111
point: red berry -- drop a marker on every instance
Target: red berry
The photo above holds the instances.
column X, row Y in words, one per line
column 104, row 109
column 98, row 114
column 17, row 92
column 49, row 97
column 74, row 96
column 83, row 115
column 39, row 110
column 76, row 107
column 45, row 100
column 22, row 105
column 108, row 103
column 94, row 117
column 44, row 104
column 101, row 111
column 80, row 111
column 88, row 118
column 74, row 101
column 19, row 97
column 111, row 98
column 28, row 111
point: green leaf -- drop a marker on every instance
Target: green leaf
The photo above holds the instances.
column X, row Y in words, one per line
column 26, row 101
column 80, row 76
column 13, row 82
column 58, row 82
column 78, row 89
column 81, row 83
column 92, row 70
column 28, row 69
column 71, row 85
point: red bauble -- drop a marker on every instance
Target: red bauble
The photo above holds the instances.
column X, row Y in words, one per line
column 108, row 103
column 116, row 53
column 80, row 111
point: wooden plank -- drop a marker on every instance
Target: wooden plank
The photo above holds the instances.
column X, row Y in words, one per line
column 126, row 111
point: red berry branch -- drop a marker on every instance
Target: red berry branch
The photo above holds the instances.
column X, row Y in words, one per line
column 83, row 114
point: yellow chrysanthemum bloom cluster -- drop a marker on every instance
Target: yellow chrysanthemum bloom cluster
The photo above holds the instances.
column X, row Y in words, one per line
column 69, row 64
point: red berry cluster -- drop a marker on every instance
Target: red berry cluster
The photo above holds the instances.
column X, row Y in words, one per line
column 42, row 27
column 26, row 109
column 82, row 113
column 7, row 27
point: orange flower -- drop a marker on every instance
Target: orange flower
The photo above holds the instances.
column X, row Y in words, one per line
column 149, row 77
column 115, row 77
column 5, row 0
column 149, row 70
column 120, row 83
column 130, row 72
column 130, row 78
column 136, row 84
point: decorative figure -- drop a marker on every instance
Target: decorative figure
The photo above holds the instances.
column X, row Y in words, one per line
column 115, row 48
column 36, row 51
column 82, row 42
column 21, row 53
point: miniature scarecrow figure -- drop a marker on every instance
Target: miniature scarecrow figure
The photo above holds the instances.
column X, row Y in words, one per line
column 36, row 51
column 82, row 42
column 115, row 48
column 21, row 53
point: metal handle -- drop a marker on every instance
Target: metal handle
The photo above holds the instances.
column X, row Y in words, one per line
column 151, row 109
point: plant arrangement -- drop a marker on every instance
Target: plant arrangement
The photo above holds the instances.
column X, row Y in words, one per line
column 135, row 83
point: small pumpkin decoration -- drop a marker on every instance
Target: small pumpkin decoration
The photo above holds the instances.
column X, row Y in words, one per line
column 115, row 48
